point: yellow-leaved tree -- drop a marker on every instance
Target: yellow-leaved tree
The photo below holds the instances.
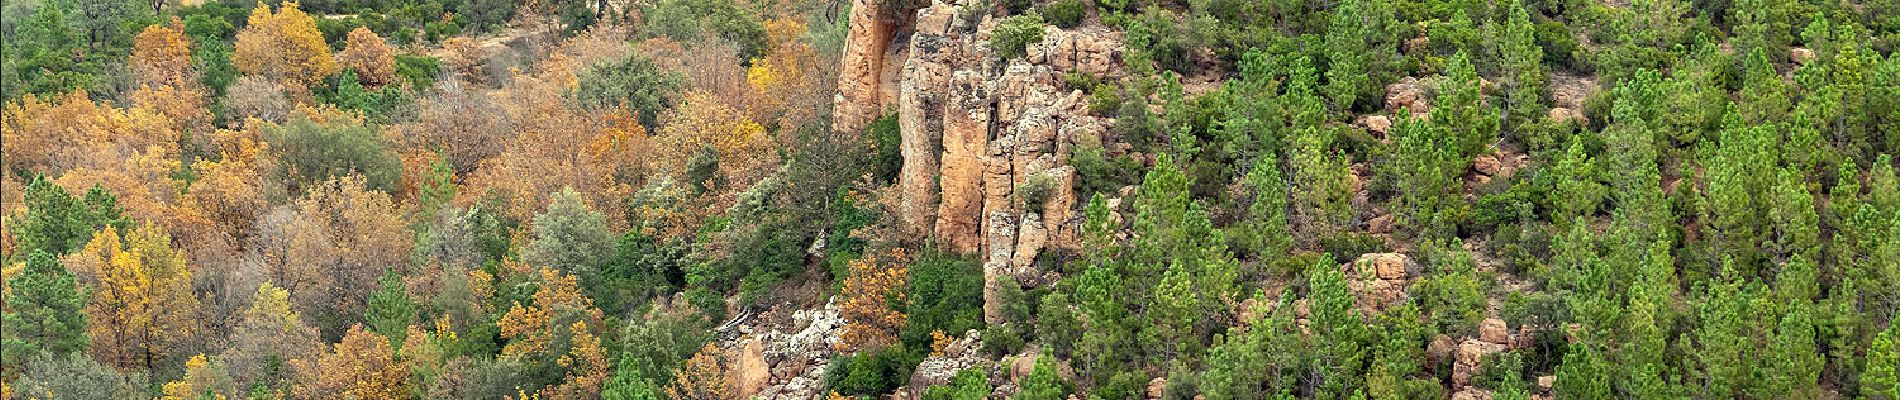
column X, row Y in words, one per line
column 267, row 334
column 362, row 366
column 203, row 379
column 284, row 46
column 142, row 306
column 558, row 332
column 873, row 291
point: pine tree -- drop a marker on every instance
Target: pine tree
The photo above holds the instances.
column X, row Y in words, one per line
column 390, row 309
column 1878, row 380
column 1346, row 52
column 629, row 384
column 1522, row 62
column 57, row 222
column 44, row 312
column 1265, row 232
column 1460, row 109
column 1427, row 165
column 1790, row 366
column 1042, row 382
column 1339, row 332
column 1577, row 191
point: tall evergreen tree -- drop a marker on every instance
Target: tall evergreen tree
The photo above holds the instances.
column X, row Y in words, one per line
column 45, row 312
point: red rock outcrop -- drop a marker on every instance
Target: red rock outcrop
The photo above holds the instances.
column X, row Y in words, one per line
column 985, row 141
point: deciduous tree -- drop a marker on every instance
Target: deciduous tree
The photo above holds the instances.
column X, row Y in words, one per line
column 370, row 56
column 284, row 46
column 362, row 366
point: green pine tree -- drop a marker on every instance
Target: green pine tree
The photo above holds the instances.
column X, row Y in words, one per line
column 45, row 312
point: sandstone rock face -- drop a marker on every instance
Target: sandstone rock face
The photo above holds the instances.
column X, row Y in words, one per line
column 976, row 129
column 865, row 67
column 750, row 371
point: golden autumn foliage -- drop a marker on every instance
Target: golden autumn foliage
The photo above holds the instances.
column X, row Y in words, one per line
column 701, row 377
column 558, row 328
column 284, row 46
column 542, row 158
column 789, row 77
column 873, row 292
column 161, row 56
column 74, row 131
column 141, row 306
column 362, row 366
column 702, row 122
column 370, row 56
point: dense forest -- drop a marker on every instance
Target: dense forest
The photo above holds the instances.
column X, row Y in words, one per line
column 950, row 199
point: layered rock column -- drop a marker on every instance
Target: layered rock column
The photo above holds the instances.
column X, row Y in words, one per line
column 976, row 129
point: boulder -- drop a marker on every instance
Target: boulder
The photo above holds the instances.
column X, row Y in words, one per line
column 1378, row 123
column 1801, row 55
column 750, row 371
column 1384, row 265
column 1493, row 330
column 1546, row 382
column 1381, row 224
column 1471, row 393
column 1487, row 164
column 1157, row 387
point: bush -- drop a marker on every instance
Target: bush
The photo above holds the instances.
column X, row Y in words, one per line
column 968, row 384
column 310, row 152
column 887, row 136
column 685, row 20
column 1066, row 14
column 946, row 293
column 419, row 71
column 871, row 372
column 1034, row 192
column 1013, row 35
column 634, row 82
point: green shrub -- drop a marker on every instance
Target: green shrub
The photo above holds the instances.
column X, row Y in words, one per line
column 1035, row 191
column 946, row 293
column 1012, row 36
column 871, row 372
column 309, row 153
column 968, row 384
column 419, row 71
column 1066, row 14
column 685, row 20
column 634, row 82
column 1001, row 340
column 888, row 137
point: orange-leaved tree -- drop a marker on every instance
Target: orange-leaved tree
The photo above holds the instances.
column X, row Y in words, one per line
column 370, row 56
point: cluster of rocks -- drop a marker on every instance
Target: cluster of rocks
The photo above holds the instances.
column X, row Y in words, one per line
column 778, row 364
column 1379, row 280
column 1467, row 357
column 1496, row 165
column 939, row 369
column 985, row 141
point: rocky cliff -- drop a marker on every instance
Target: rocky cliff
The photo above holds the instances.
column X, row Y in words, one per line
column 985, row 140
